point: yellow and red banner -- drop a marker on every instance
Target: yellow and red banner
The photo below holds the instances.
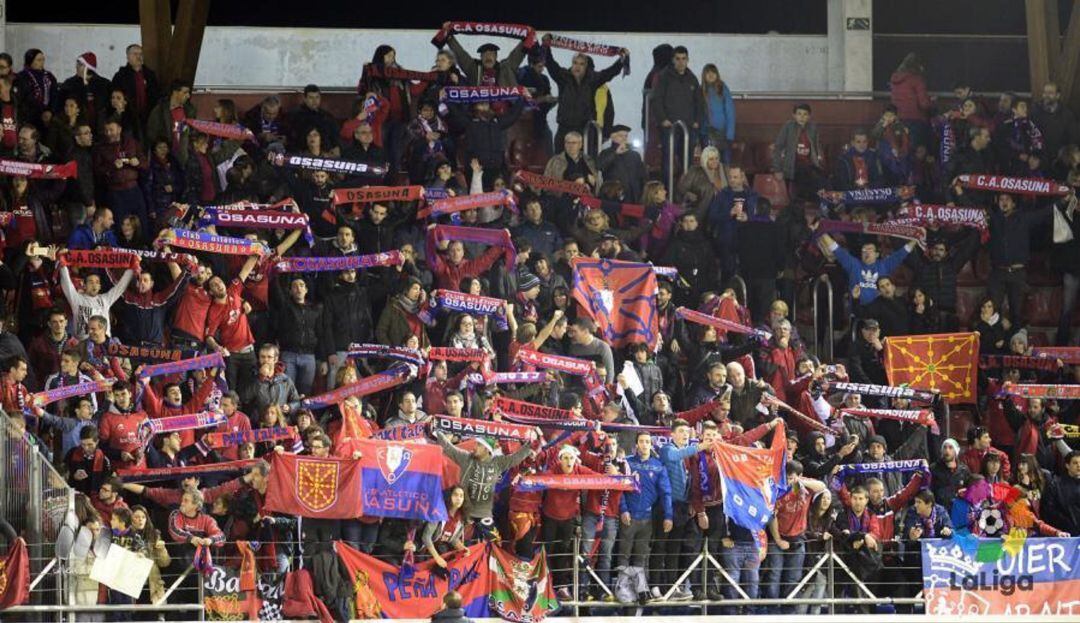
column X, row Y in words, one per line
column 947, row 362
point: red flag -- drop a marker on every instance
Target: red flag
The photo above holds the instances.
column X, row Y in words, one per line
column 620, row 297
column 15, row 576
column 520, row 591
column 948, row 362
column 313, row 487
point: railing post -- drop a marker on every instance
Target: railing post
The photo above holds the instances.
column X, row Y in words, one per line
column 590, row 127
column 201, row 596
column 829, row 321
column 832, row 578
column 577, row 572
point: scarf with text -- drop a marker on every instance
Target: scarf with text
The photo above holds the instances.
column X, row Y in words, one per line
column 923, row 417
column 184, row 259
column 490, row 237
column 473, row 95
column 330, row 165
column 213, row 243
column 382, row 351
column 719, row 323
column 907, row 232
column 540, row 182
column 203, row 362
column 49, row 396
column 468, row 427
column 148, row 352
column 1031, row 186
column 476, row 381
column 383, row 72
column 104, row 258
column 447, row 353
column 239, row 438
column 575, row 482
column 377, row 194
column 495, row 29
column 911, row 465
column 403, row 433
column 867, row 389
column 188, row 421
column 231, row 131
column 585, row 47
column 250, row 205
column 454, row 301
column 17, row 168
column 1046, row 392
column 570, row 365
column 511, row 407
column 389, row 378
column 813, row 423
column 453, row 205
column 1068, row 354
column 1044, row 364
column 259, row 219
column 866, row 196
column 580, row 425
column 922, row 214
column 347, row 262
column 175, row 473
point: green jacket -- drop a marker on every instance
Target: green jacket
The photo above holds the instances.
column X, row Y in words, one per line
column 160, row 124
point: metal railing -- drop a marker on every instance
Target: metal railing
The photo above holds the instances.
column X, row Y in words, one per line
column 829, row 323
column 592, row 127
column 675, row 127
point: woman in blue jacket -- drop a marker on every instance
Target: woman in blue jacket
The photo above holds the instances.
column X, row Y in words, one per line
column 718, row 127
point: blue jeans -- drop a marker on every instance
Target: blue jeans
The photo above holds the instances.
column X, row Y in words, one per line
column 742, row 564
column 300, row 367
column 362, row 536
column 783, row 570
column 603, row 554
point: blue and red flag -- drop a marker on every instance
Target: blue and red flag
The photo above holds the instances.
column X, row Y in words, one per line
column 401, row 479
column 620, row 297
column 752, row 480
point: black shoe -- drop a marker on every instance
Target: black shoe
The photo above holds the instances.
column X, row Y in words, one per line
column 643, row 598
column 714, row 594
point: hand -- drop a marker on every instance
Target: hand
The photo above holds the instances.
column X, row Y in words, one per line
column 621, row 380
column 826, row 536
column 133, row 162
column 356, row 455
column 80, row 474
column 333, row 360
column 871, row 542
column 784, row 545
column 118, row 163
column 703, row 521
column 127, row 457
column 946, row 532
column 410, row 546
column 727, row 543
column 855, row 292
column 612, row 470
column 323, row 368
column 439, row 560
column 665, row 124
column 246, row 307
column 475, row 165
column 625, row 519
column 668, row 525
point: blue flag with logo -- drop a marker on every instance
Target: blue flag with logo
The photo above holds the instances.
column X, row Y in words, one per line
column 752, row 480
column 402, row 480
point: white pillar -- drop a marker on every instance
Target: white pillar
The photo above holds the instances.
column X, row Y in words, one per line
column 850, row 40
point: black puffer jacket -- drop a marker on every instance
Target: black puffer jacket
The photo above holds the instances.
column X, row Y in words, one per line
column 346, row 317
column 577, row 99
column 485, row 139
column 298, row 326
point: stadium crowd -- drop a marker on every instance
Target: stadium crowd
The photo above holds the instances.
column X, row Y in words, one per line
column 146, row 179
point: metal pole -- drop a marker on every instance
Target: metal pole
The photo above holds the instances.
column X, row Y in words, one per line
column 671, row 161
column 576, row 567
column 202, row 596
column 948, row 426
column 832, row 579
column 645, row 125
column 590, row 127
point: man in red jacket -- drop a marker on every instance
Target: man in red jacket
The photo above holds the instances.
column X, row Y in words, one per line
column 119, row 429
column 561, row 512
column 190, row 525
column 118, row 161
column 451, row 269
column 978, row 447
column 173, row 403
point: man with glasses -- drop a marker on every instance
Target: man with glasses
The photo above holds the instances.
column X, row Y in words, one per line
column 572, row 164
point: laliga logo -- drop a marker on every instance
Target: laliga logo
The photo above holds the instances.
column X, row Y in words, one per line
column 393, row 462
column 965, row 573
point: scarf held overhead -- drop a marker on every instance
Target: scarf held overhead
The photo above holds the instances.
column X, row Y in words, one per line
column 453, row 205
column 907, row 232
column 1045, row 364
column 49, row 396
column 575, row 482
column 924, row 417
column 540, row 182
column 395, row 353
column 473, row 95
column 911, row 465
column 231, row 131
column 867, row 195
column 371, row 70
column 212, row 243
column 259, row 219
column 490, row 237
column 1046, row 392
column 347, row 262
column 17, row 168
column 330, row 165
column 377, row 194
column 1068, row 354
column 454, row 301
column 1018, row 185
column 391, row 377
column 719, row 323
column 239, row 438
column 173, row 473
column 495, row 29
column 187, row 421
column 468, row 427
column 867, row 389
column 585, row 47
column 214, row 360
column 103, row 258
column 923, row 213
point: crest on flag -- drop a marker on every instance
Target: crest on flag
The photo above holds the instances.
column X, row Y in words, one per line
column 393, row 461
column 316, row 483
column 948, row 362
column 620, row 297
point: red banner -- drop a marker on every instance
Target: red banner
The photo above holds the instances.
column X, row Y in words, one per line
column 520, row 591
column 948, row 362
column 15, row 576
column 620, row 297
column 120, row 260
column 375, row 194
column 312, row 487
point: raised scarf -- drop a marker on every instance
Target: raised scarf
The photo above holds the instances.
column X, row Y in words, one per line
column 1068, row 354
column 174, row 473
column 1046, row 392
column 187, row 421
column 569, row 365
column 453, row 205
column 719, row 323
column 910, row 465
column 18, row 168
column 924, row 417
column 184, row 259
column 371, row 70
column 907, row 232
column 105, row 258
column 1014, row 185
column 667, row 272
column 376, row 194
column 469, row 427
column 231, row 131
column 588, row 425
column 213, row 360
column 511, row 407
column 922, row 214
column 148, row 353
column 239, row 438
column 391, row 377
column 540, row 182
column 490, row 237
column 585, row 47
column 258, row 219
column 403, row 433
column 811, row 422
column 631, row 210
column 867, row 389
column 478, row 380
column 1046, row 364
column 330, row 165
column 948, row 144
column 347, row 262
column 212, row 243
column 864, row 196
column 473, row 95
column 495, row 29
column 394, row 353
column 49, row 396
column 250, row 205
column 454, row 301
column 447, row 353
column 575, row 482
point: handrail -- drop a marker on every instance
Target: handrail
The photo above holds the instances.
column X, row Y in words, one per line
column 671, row 154
column 587, row 134
column 829, row 322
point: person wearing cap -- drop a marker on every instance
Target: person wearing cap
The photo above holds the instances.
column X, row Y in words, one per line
column 577, row 89
column 310, row 115
column 619, row 162
column 561, row 513
column 865, row 365
column 488, row 70
column 528, row 290
column 86, row 86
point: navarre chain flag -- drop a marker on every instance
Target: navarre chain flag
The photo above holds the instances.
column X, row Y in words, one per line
column 752, row 480
column 620, row 297
column 319, row 488
column 948, row 362
column 15, row 575
column 521, row 590
column 416, row 591
column 402, row 480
